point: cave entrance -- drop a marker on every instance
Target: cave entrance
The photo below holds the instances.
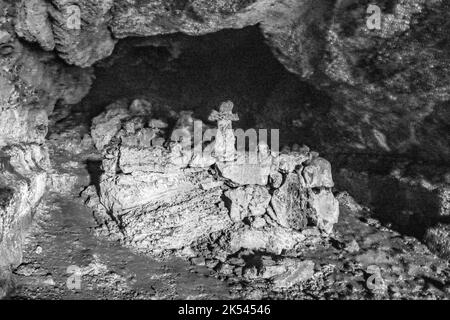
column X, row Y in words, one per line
column 199, row 72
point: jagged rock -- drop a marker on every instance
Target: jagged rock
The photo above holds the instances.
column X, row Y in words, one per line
column 288, row 162
column 289, row 203
column 258, row 222
column 5, row 37
column 248, row 201
column 89, row 43
column 72, row 139
column 326, row 208
column 33, row 23
column 245, row 171
column 22, row 184
column 352, row 247
column 107, row 125
column 297, row 271
column 273, row 240
column 39, row 82
column 161, row 212
column 317, row 174
column 202, row 160
column 437, row 238
column 276, row 179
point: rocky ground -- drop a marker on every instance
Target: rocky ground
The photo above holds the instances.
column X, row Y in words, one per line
column 62, row 237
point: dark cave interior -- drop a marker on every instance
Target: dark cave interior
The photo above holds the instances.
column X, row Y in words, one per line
column 199, row 72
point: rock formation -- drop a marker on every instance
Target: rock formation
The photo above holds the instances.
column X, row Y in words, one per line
column 159, row 204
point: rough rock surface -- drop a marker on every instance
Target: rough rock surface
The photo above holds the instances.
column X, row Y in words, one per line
column 23, row 179
column 337, row 267
column 382, row 78
column 438, row 240
column 152, row 197
column 32, row 82
column 404, row 199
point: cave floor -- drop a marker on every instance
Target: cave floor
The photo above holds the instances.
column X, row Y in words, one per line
column 362, row 260
column 61, row 238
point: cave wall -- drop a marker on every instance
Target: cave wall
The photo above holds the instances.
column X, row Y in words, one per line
column 32, row 82
column 390, row 86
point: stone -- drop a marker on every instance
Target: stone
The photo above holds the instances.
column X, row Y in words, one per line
column 259, row 223
column 89, row 43
column 140, row 138
column 276, row 179
column 273, row 271
column 107, row 125
column 224, row 146
column 5, row 37
column 23, row 176
column 437, row 238
column 198, row 261
column 180, row 156
column 202, row 160
column 33, row 23
column 317, row 174
column 326, row 208
column 288, row 162
column 289, row 203
column 352, row 247
column 240, row 200
column 297, row 272
column 247, row 201
column 244, row 173
column 274, row 240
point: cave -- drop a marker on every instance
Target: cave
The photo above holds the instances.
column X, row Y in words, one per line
column 224, row 150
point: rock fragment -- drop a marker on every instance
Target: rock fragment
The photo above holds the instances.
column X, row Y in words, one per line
column 326, row 208
column 297, row 271
column 317, row 174
column 289, row 203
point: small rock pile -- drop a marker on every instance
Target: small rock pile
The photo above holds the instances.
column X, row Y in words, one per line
column 158, row 197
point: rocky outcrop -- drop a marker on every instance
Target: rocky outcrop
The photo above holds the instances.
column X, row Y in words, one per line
column 156, row 197
column 22, row 184
column 389, row 84
column 32, row 82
